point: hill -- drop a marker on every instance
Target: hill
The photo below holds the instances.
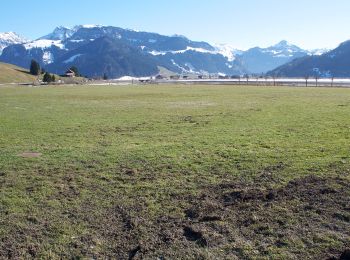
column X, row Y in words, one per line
column 13, row 74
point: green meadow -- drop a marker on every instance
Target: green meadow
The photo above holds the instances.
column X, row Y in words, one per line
column 174, row 171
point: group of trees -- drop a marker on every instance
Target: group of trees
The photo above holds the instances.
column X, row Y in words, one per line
column 36, row 70
column 48, row 78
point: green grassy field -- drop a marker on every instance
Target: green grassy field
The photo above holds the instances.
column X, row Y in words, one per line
column 191, row 172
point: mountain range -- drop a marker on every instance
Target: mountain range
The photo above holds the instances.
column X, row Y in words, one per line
column 97, row 50
column 335, row 63
column 10, row 38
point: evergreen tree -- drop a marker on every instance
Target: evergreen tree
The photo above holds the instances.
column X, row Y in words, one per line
column 34, row 68
column 105, row 77
column 53, row 78
column 47, row 77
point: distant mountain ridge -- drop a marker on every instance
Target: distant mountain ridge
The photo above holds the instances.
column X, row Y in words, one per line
column 261, row 60
column 335, row 63
column 61, row 49
column 175, row 53
column 10, row 38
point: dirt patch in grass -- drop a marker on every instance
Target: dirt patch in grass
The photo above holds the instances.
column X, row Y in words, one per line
column 30, row 155
column 306, row 219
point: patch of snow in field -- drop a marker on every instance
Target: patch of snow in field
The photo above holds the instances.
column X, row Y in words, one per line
column 72, row 59
column 44, row 44
column 129, row 78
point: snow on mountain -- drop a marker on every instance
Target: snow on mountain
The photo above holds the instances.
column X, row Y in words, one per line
column 334, row 63
column 48, row 57
column 60, row 33
column 318, row 52
column 63, row 33
column 72, row 59
column 283, row 49
column 201, row 50
column 44, row 44
column 10, row 38
column 261, row 60
column 89, row 26
column 227, row 51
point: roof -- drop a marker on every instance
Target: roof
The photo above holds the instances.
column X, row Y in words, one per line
column 70, row 72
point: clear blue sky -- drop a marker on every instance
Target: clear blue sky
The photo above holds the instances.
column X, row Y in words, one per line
column 241, row 23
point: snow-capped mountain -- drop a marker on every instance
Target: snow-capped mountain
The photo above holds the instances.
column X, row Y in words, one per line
column 334, row 63
column 175, row 53
column 10, row 38
column 261, row 60
column 227, row 51
column 65, row 47
column 318, row 52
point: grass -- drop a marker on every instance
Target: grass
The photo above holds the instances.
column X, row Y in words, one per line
column 13, row 74
column 121, row 166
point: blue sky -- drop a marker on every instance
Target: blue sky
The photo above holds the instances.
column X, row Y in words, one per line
column 241, row 23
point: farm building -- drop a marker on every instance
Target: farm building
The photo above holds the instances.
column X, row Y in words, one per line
column 70, row 74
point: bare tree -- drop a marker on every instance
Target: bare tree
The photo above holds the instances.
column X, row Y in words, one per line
column 332, row 80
